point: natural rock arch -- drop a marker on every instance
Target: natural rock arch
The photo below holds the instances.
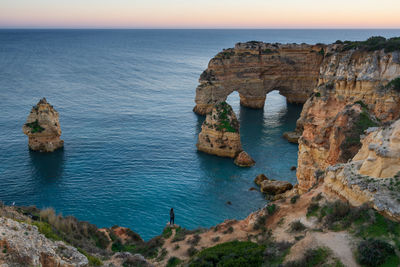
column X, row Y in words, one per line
column 254, row 69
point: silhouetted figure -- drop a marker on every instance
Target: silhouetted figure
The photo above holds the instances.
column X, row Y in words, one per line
column 171, row 216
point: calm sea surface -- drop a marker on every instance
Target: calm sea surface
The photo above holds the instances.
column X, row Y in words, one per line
column 125, row 99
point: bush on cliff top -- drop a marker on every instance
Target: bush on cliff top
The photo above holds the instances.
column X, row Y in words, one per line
column 224, row 120
column 373, row 43
column 235, row 253
column 394, row 84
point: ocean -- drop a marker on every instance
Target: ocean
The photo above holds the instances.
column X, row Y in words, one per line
column 125, row 100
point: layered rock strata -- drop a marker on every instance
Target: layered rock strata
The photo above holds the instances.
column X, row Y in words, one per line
column 373, row 176
column 346, row 78
column 254, row 69
column 43, row 128
column 328, row 78
column 220, row 135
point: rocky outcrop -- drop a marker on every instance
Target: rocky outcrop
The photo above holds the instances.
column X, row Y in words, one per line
column 272, row 187
column 244, row 160
column 22, row 245
column 346, row 78
column 329, row 138
column 43, row 128
column 254, row 69
column 220, row 135
column 373, row 176
column 328, row 78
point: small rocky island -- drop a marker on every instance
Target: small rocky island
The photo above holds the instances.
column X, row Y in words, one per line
column 220, row 135
column 43, row 128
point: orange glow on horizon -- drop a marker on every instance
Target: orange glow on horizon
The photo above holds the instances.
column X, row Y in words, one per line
column 187, row 14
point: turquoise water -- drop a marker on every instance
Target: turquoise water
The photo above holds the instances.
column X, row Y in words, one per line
column 125, row 99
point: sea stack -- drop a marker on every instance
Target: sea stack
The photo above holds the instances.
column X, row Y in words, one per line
column 220, row 133
column 43, row 128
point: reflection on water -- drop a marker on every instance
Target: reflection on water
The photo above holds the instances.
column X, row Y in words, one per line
column 47, row 167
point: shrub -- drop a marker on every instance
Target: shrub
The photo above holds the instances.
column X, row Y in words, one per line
column 35, row 127
column 374, row 252
column 312, row 209
column 394, row 84
column 229, row 230
column 215, row 239
column 317, row 94
column 235, row 253
column 93, row 261
column 297, row 226
column 294, row 199
column 192, row 251
column 374, row 43
column 173, row 261
column 194, row 240
column 260, row 223
column 167, row 232
column 271, row 209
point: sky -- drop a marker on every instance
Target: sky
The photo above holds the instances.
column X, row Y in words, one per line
column 199, row 14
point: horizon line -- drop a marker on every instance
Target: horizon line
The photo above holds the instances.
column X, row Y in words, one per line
column 194, row 28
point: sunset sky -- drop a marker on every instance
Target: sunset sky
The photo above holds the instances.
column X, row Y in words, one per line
column 199, row 14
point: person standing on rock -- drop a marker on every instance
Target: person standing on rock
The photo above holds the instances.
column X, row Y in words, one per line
column 171, row 216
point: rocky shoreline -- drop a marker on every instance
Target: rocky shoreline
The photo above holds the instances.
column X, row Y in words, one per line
column 344, row 208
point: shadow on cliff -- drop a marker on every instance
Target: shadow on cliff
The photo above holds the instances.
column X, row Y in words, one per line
column 47, row 167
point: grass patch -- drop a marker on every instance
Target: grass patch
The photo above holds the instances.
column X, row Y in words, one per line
column 235, row 253
column 93, row 261
column 35, row 127
column 312, row 209
column 167, row 232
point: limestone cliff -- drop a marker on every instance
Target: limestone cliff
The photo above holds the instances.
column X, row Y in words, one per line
column 253, row 69
column 22, row 245
column 43, row 128
column 329, row 79
column 220, row 135
column 373, row 176
column 346, row 77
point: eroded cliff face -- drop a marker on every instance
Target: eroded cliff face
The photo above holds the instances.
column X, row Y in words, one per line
column 43, row 128
column 335, row 77
column 22, row 245
column 373, row 176
column 254, row 69
column 346, row 78
column 220, row 132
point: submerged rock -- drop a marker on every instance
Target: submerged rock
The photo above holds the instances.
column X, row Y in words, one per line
column 244, row 160
column 292, row 137
column 43, row 128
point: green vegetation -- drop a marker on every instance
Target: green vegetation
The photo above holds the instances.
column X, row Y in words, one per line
column 167, row 232
column 373, row 44
column 353, row 136
column 317, row 94
column 375, row 252
column 233, row 253
column 297, row 226
column 173, row 261
column 46, row 229
column 226, row 54
column 394, row 84
column 312, row 209
column 311, row 258
column 192, row 251
column 322, row 52
column 225, row 122
column 275, row 253
column 294, row 199
column 93, row 261
column 271, row 209
column 35, row 127
column 194, row 240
